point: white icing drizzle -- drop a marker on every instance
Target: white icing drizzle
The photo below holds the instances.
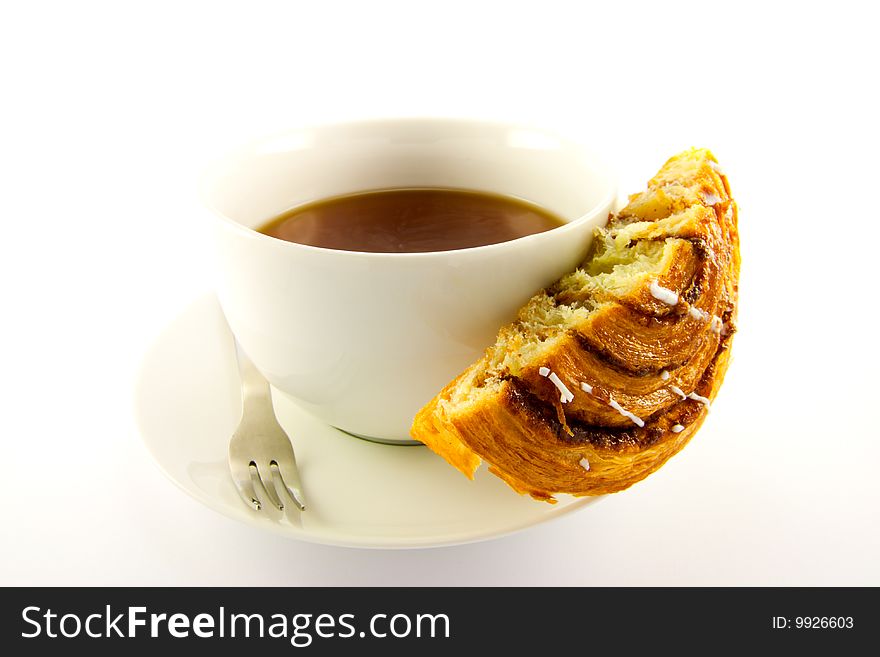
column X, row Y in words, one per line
column 716, row 167
column 587, row 388
column 585, row 464
column 566, row 395
column 664, row 375
column 664, row 294
column 710, row 199
column 691, row 395
column 716, row 325
column 670, row 297
column 703, row 400
column 677, row 428
column 696, row 313
column 625, row 413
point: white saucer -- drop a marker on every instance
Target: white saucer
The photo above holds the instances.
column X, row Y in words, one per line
column 359, row 493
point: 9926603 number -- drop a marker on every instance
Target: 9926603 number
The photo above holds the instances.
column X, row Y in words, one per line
column 823, row 622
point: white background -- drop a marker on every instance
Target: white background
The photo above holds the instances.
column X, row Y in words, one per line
column 109, row 110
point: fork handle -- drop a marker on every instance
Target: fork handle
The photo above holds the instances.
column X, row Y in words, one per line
column 256, row 396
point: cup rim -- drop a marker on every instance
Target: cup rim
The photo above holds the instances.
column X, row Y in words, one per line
column 607, row 200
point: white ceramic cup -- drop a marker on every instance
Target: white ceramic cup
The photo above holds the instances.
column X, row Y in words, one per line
column 363, row 340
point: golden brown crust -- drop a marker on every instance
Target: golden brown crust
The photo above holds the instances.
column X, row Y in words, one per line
column 634, row 351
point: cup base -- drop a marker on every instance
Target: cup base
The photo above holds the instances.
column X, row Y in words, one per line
column 384, row 441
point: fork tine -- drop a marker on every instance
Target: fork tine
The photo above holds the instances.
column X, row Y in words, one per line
column 241, row 476
column 267, row 484
column 289, row 477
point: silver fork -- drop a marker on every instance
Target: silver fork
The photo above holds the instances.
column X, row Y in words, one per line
column 260, row 451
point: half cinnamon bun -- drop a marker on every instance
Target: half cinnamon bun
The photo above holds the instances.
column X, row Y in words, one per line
column 609, row 372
